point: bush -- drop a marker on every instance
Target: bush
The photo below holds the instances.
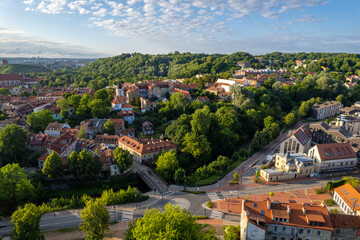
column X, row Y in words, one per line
column 209, row 204
column 330, row 202
column 321, row 190
column 232, row 232
column 201, row 217
column 271, row 194
column 334, row 211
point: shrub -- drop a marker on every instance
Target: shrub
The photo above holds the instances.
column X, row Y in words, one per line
column 209, row 204
column 334, row 211
column 232, row 232
column 321, row 190
column 271, row 194
column 330, row 202
column 201, row 217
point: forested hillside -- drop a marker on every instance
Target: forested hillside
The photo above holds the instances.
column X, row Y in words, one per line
column 136, row 67
column 22, row 68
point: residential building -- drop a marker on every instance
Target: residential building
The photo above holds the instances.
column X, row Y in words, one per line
column 132, row 94
column 54, row 129
column 147, row 105
column 348, row 199
column 129, row 116
column 64, row 145
column 321, row 133
column 284, row 221
column 11, row 80
column 325, row 110
column 108, row 162
column 118, row 102
column 333, row 159
column 94, row 126
column 346, row 227
column 176, row 90
column 107, row 139
column 202, row 99
column 298, row 142
column 130, row 132
column 119, row 124
column 148, row 128
column 289, row 166
column 350, row 123
column 145, row 149
column 37, row 143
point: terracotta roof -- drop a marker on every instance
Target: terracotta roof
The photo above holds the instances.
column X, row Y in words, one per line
column 128, row 131
column 349, row 195
column 127, row 113
column 62, row 143
column 295, row 212
column 126, row 105
column 11, row 77
column 112, row 139
column 119, row 100
column 332, row 151
column 203, row 99
column 345, row 221
column 118, row 122
column 43, row 157
column 185, row 93
column 54, row 126
column 144, row 146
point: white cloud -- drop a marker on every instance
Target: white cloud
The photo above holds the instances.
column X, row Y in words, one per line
column 16, row 43
column 170, row 19
column 310, row 19
column 28, row 2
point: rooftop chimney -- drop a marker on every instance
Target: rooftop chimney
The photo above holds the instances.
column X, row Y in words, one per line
column 304, row 210
column 268, row 204
column 288, row 209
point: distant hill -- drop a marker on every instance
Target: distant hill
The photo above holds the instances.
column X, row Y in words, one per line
column 23, row 68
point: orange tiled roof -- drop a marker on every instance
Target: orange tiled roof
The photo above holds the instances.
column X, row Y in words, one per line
column 349, row 195
column 331, row 151
column 145, row 146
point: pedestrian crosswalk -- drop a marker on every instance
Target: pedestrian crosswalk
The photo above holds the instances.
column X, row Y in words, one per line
column 127, row 215
column 167, row 193
column 216, row 214
column 213, row 196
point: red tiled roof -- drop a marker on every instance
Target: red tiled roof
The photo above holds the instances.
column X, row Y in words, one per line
column 145, row 146
column 118, row 122
column 349, row 195
column 11, row 77
column 331, row 151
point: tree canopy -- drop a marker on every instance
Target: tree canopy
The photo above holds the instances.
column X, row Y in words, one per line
column 13, row 140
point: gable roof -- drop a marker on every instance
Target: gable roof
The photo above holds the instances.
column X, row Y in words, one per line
column 349, row 195
column 345, row 221
column 54, row 126
column 144, row 146
column 332, row 151
column 10, row 77
column 302, row 134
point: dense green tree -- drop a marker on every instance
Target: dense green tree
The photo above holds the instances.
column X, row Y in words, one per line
column 101, row 94
column 99, row 108
column 197, row 146
column 232, row 232
column 242, row 97
column 82, row 133
column 172, row 224
column 26, row 222
column 178, row 129
column 268, row 121
column 13, row 140
column 64, row 106
column 289, row 119
column 24, row 94
column 53, row 166
column 15, row 187
column 123, row 159
column 201, row 121
column 227, row 117
column 96, row 219
column 72, row 164
column 179, row 176
column 74, row 100
column 4, row 91
column 179, row 102
column 38, row 121
column 109, row 127
column 167, row 164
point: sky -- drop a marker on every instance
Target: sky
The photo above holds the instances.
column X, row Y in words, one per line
column 101, row 28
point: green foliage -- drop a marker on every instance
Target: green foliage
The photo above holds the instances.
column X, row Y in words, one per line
column 179, row 176
column 167, row 164
column 4, row 91
column 53, row 166
column 236, row 176
column 99, row 108
column 330, row 202
column 15, row 187
column 209, row 204
column 26, row 222
column 82, row 165
column 172, row 224
column 289, row 119
column 82, row 133
column 23, row 68
column 197, row 146
column 123, row 158
column 109, row 127
column 38, row 121
column 334, row 211
column 242, row 97
column 321, row 190
column 232, row 232
column 353, row 181
column 13, row 140
column 271, row 194
column 96, row 219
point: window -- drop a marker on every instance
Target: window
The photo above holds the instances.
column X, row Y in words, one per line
column 301, row 231
column 262, row 213
column 282, row 238
column 275, row 228
column 309, row 232
column 255, row 205
column 274, row 238
column 319, row 233
column 284, row 229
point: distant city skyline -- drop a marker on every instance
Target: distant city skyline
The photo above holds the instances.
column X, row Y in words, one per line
column 101, row 28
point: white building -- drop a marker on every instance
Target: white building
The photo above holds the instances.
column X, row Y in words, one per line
column 298, row 142
column 348, row 199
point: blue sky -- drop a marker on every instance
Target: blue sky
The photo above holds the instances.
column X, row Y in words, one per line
column 98, row 28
